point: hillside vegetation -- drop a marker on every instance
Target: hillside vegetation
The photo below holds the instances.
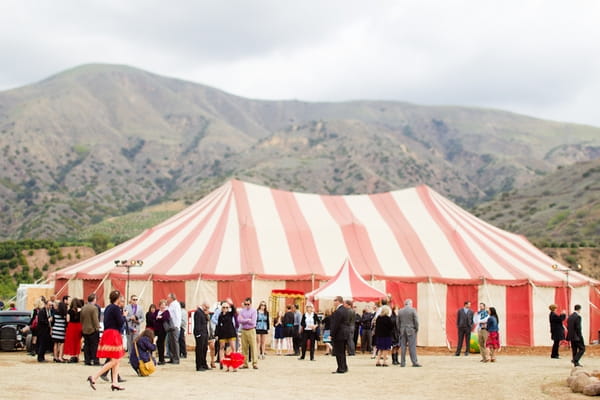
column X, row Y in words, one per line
column 103, row 141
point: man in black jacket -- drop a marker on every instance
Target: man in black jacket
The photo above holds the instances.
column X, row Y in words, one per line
column 575, row 336
column 201, row 321
column 340, row 333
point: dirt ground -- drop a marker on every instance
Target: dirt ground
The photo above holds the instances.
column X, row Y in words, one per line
column 517, row 374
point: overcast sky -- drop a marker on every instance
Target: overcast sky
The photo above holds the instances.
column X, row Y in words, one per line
column 540, row 58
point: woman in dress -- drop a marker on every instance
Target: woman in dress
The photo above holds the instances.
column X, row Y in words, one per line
column 226, row 330
column 288, row 329
column 145, row 346
column 111, row 342
column 384, row 330
column 73, row 335
column 161, row 316
column 262, row 328
column 59, row 327
column 493, row 341
column 278, row 334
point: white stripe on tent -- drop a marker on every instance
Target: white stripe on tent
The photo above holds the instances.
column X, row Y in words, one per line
column 326, row 232
column 272, row 238
column 229, row 262
column 382, row 238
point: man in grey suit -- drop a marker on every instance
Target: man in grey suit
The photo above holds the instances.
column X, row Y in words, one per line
column 408, row 326
column 135, row 317
column 464, row 324
column 340, row 333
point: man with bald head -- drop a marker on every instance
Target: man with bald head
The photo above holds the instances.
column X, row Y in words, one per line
column 201, row 321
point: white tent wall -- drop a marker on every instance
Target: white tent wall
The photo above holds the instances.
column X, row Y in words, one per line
column 431, row 308
column 75, row 288
column 198, row 291
column 494, row 296
column 542, row 298
column 262, row 291
column 581, row 296
column 143, row 290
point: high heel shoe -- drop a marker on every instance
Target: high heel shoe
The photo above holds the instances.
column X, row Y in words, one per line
column 115, row 387
column 92, row 383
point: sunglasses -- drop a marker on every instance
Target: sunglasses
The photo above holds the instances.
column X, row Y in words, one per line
column 134, row 299
column 246, row 304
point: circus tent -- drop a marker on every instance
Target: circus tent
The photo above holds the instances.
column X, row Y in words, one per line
column 348, row 284
column 244, row 240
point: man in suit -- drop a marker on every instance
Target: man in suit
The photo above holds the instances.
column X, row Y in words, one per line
column 575, row 336
column 340, row 333
column 201, row 321
column 464, row 324
column 135, row 316
column 408, row 325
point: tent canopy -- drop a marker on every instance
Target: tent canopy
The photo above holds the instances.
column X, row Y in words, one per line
column 348, row 284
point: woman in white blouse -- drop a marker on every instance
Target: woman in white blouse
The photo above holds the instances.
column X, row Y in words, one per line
column 309, row 324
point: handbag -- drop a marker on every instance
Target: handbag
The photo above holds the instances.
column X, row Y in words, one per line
column 146, row 368
column 169, row 325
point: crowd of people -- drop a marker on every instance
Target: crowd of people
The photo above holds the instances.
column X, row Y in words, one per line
column 231, row 338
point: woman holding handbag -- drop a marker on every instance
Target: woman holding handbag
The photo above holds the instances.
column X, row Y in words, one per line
column 143, row 346
column 161, row 321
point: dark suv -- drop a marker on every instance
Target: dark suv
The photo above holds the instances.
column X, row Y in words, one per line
column 12, row 336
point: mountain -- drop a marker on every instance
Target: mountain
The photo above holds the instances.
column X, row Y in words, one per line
column 103, row 140
column 558, row 208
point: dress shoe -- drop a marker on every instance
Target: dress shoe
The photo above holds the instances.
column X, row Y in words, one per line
column 557, row 357
column 115, row 387
column 300, row 358
column 338, row 372
column 457, row 354
column 244, row 367
column 104, row 377
column 577, row 364
column 121, row 380
column 402, row 365
column 255, row 367
column 417, row 365
column 91, row 382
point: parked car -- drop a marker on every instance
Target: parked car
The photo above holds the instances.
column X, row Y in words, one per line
column 14, row 330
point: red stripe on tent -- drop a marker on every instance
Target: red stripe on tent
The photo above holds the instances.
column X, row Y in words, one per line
column 562, row 298
column 456, row 295
column 415, row 253
column 250, row 258
column 472, row 265
column 237, row 291
column 594, row 314
column 355, row 236
column 93, row 286
column 483, row 229
column 519, row 324
column 401, row 291
column 301, row 242
column 160, row 290
column 61, row 288
column 120, row 285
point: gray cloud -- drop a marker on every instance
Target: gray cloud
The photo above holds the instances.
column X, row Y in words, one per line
column 537, row 58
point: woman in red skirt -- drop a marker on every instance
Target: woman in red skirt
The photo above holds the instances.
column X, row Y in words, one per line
column 111, row 343
column 73, row 337
column 493, row 341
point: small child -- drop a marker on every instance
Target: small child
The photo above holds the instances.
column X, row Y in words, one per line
column 232, row 359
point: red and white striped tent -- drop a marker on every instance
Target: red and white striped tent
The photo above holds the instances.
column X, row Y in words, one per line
column 245, row 240
column 348, row 284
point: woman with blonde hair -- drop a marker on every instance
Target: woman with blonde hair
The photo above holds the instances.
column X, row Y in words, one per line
column 111, row 342
column 226, row 330
column 384, row 330
column 309, row 324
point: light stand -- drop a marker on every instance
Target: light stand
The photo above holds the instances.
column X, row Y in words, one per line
column 566, row 271
column 128, row 264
